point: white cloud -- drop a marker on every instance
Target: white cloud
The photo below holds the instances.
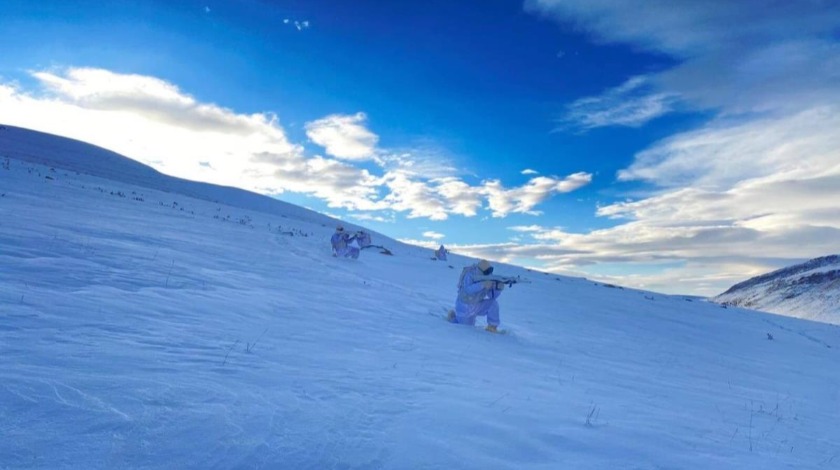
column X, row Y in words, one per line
column 732, row 69
column 299, row 25
column 415, row 197
column 694, row 27
column 631, row 104
column 148, row 98
column 339, row 184
column 423, row 159
column 369, row 217
column 433, row 235
column 343, row 136
column 529, row 171
column 433, row 245
column 523, row 199
column 723, row 154
column 437, row 198
column 526, row 228
column 461, row 198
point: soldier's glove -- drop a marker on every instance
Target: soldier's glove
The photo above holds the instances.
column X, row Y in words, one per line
column 500, row 286
column 488, row 284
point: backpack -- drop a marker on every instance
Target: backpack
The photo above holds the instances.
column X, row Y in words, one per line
column 464, row 273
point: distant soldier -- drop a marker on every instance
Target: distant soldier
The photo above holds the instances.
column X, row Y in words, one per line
column 342, row 244
column 363, row 239
column 440, row 253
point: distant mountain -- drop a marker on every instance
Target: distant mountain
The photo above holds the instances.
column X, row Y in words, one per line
column 809, row 290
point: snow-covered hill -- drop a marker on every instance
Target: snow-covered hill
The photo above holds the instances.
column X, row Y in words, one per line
column 144, row 328
column 809, row 290
column 80, row 157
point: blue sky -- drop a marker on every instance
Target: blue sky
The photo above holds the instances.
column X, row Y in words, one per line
column 678, row 150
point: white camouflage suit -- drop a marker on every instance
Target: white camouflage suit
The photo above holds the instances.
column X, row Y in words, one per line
column 475, row 298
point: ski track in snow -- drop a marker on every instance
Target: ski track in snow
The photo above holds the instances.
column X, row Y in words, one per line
column 152, row 334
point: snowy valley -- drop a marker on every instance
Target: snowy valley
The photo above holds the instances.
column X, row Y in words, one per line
column 149, row 322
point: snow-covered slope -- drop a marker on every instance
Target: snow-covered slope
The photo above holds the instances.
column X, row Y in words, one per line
column 809, row 290
column 73, row 155
column 141, row 328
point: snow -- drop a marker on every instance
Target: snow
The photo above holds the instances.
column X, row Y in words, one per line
column 143, row 328
column 810, row 290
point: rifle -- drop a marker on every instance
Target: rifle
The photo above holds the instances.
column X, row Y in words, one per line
column 384, row 250
column 509, row 280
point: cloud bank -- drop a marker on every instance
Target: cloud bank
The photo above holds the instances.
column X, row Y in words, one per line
column 155, row 122
column 751, row 189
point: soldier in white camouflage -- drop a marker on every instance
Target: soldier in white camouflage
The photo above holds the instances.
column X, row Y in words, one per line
column 477, row 298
